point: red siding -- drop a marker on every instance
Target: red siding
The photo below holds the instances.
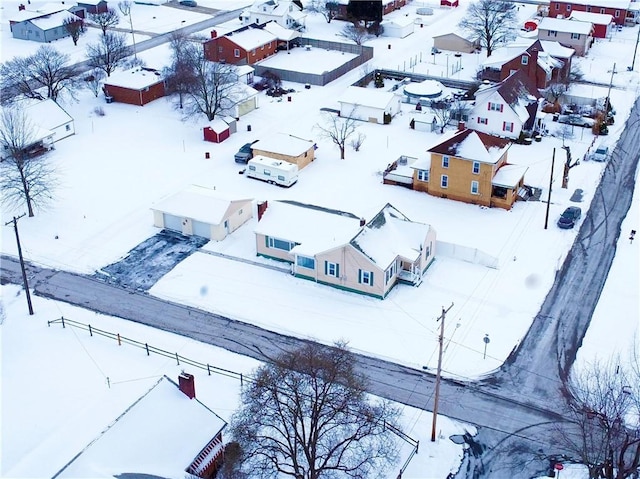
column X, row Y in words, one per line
column 135, row 97
column 215, row 137
column 558, row 8
column 223, row 49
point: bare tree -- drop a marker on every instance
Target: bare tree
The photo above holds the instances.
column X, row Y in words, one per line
column 75, row 27
column 26, row 178
column 568, row 164
column 125, row 8
column 492, row 21
column 180, row 76
column 356, row 33
column 108, row 53
column 443, row 111
column 338, row 129
column 93, row 80
column 604, row 411
column 104, row 20
column 307, row 416
column 47, row 68
column 356, row 143
column 329, row 10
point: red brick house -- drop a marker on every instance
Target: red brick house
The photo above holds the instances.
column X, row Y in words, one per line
column 244, row 46
column 544, row 62
column 137, row 86
column 618, row 9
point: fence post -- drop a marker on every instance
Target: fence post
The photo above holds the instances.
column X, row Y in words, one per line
column 119, row 342
column 146, row 346
column 108, row 382
column 62, row 318
column 178, row 359
column 208, row 370
column 241, row 383
column 90, row 332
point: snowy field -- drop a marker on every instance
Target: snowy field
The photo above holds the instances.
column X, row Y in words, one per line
column 115, row 167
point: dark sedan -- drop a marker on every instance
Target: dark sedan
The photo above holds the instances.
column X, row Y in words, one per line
column 569, row 217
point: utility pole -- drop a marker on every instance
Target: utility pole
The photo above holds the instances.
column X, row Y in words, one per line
column 607, row 102
column 438, row 372
column 546, row 218
column 633, row 63
column 24, row 272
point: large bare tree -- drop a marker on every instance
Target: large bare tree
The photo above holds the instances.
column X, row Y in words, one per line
column 26, row 178
column 75, row 27
column 46, row 69
column 338, row 129
column 328, row 9
column 108, row 52
column 180, row 76
column 355, row 32
column 105, row 20
column 492, row 21
column 307, row 415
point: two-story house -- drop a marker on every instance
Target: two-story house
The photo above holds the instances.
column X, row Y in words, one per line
column 470, row 166
column 507, row 108
column 244, row 46
column 569, row 33
column 285, row 13
column 618, row 9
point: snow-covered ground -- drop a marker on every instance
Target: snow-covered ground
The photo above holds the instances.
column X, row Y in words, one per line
column 117, row 166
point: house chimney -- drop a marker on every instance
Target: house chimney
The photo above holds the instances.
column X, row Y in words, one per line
column 262, row 207
column 214, row 34
column 461, row 126
column 187, row 384
column 363, row 222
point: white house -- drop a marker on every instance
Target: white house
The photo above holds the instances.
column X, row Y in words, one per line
column 398, row 27
column 284, row 12
column 200, row 211
column 48, row 115
column 369, row 104
column 507, row 108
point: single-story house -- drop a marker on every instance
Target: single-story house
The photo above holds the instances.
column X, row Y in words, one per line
column 216, row 131
column 343, row 250
column 41, row 28
column 41, row 141
column 398, row 27
column 244, row 46
column 369, row 104
column 48, row 115
column 167, row 432
column 569, row 33
column 94, row 6
column 456, row 42
column 602, row 23
column 200, row 211
column 283, row 146
column 137, row 86
column 285, row 13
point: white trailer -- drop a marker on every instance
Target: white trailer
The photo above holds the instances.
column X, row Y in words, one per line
column 272, row 171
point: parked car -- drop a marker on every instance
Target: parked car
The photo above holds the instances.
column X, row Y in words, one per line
column 576, row 120
column 569, row 217
column 189, row 3
column 601, row 154
column 244, row 154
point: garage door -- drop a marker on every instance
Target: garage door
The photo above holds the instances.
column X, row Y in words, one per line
column 172, row 222
column 246, row 107
column 202, row 229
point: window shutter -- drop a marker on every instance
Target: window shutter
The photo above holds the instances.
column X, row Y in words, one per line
column 266, row 241
column 371, row 281
column 501, row 107
column 326, row 267
column 360, row 276
column 489, row 106
column 504, row 125
column 337, row 270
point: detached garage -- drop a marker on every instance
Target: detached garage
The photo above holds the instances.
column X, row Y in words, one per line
column 398, row 27
column 369, row 104
column 200, row 211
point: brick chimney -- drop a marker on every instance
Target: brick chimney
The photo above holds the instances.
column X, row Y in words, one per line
column 363, row 222
column 461, row 125
column 187, row 384
column 262, row 207
column 214, row 33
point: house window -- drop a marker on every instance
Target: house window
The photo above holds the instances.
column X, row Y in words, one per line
column 67, row 127
column 494, row 106
column 445, row 161
column 475, row 187
column 239, row 211
column 332, row 269
column 617, row 14
column 476, row 167
column 278, row 244
column 306, row 262
column 390, row 273
column 524, row 60
column 552, row 33
column 423, row 175
column 365, row 277
column 557, row 6
column 588, row 8
column 220, row 49
column 507, row 126
column 569, row 8
column 236, row 52
column 483, row 121
column 575, row 36
column 444, row 181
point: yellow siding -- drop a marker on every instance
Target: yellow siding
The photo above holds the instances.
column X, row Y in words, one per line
column 263, row 250
column 301, row 160
column 350, row 261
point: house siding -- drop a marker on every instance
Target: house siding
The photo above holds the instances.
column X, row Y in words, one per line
column 135, row 97
column 301, row 160
column 28, row 31
column 495, row 119
column 263, row 250
column 101, row 7
column 350, row 261
column 580, row 45
column 454, row 43
column 559, row 8
column 213, row 46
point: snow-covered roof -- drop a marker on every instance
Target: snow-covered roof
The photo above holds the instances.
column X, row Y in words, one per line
column 136, row 79
column 473, row 145
column 400, row 21
column 284, row 144
column 509, row 176
column 218, row 125
column 24, row 15
column 90, row 2
column 273, row 7
column 595, row 18
column 502, row 55
column 54, row 20
column 421, row 164
column 368, row 97
column 281, row 165
column 464, row 34
column 172, row 428
column 280, row 32
column 314, row 228
column 198, row 203
column 428, row 88
column 602, row 3
column 242, row 70
column 46, row 113
column 251, row 38
column 556, row 50
column 564, row 25
column 391, row 234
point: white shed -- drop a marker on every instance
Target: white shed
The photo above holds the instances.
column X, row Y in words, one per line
column 399, row 27
column 200, row 211
column 369, row 104
column 47, row 114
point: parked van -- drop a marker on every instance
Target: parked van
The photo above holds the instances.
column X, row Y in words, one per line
column 272, row 171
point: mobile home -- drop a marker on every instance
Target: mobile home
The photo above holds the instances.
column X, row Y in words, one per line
column 273, row 171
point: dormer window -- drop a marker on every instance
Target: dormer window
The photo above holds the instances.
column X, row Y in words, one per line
column 524, row 60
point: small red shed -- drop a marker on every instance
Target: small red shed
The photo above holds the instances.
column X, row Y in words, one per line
column 448, row 3
column 216, row 131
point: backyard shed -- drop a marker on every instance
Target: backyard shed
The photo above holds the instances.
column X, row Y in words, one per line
column 216, row 131
column 369, row 104
column 200, row 211
column 282, row 146
column 456, row 42
column 399, row 27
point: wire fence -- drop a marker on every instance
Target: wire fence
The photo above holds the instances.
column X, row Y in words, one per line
column 180, row 360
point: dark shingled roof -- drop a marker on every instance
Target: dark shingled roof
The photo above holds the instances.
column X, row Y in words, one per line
column 450, row 146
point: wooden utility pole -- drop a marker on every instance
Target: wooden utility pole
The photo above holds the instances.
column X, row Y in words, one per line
column 436, row 397
column 546, row 218
column 24, row 272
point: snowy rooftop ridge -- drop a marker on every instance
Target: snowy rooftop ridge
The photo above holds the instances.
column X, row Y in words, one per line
column 565, row 25
column 473, row 145
column 367, row 97
column 595, row 18
column 136, row 78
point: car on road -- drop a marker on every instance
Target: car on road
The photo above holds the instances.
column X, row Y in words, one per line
column 189, row 3
column 601, row 154
column 244, row 154
column 576, row 120
column 569, row 217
